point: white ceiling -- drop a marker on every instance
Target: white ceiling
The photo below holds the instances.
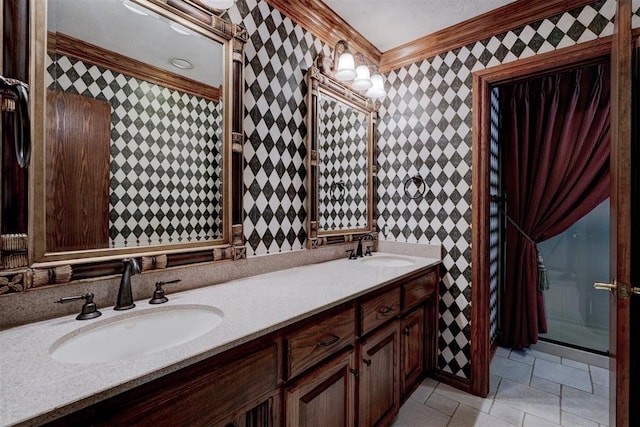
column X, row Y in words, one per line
column 391, row 23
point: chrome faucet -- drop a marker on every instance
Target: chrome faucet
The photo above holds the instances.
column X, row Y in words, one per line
column 125, row 296
column 366, row 236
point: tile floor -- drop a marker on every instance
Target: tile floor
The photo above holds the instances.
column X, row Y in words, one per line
column 528, row 388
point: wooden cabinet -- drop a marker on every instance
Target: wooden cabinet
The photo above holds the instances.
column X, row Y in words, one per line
column 350, row 365
column 379, row 389
column 239, row 385
column 314, row 342
column 412, row 348
column 325, row 396
column 379, row 310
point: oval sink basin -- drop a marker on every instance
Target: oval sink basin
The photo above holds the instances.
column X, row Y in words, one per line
column 388, row 261
column 150, row 330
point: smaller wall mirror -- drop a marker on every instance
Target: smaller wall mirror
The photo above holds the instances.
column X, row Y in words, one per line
column 341, row 142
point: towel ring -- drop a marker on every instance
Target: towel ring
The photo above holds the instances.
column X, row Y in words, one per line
column 337, row 191
column 414, row 187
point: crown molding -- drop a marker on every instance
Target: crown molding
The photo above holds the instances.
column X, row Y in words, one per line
column 324, row 23
column 509, row 17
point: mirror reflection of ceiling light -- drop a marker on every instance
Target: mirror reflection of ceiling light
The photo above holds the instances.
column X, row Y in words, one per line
column 134, row 7
column 219, row 4
column 181, row 63
column 179, row 29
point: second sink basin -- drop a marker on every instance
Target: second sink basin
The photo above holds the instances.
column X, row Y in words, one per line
column 388, row 261
column 136, row 334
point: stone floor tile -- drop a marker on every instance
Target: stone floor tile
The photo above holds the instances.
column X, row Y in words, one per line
column 511, row 369
column 424, row 390
column 507, row 413
column 414, row 414
column 533, row 421
column 442, row 403
column 567, row 375
column 601, row 390
column 528, row 399
column 545, row 385
column 599, row 375
column 571, row 420
column 545, row 356
column 466, row 416
column 503, row 352
column 476, row 402
column 585, row 405
column 522, row 356
column 574, row 364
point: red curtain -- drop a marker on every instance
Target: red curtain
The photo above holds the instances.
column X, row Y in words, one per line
column 555, row 141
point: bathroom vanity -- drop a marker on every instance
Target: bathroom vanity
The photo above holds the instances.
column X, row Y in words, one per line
column 321, row 344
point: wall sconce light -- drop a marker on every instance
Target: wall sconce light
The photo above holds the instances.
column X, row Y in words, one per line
column 345, row 70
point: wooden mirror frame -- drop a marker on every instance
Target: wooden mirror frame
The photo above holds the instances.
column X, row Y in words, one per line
column 319, row 80
column 39, row 267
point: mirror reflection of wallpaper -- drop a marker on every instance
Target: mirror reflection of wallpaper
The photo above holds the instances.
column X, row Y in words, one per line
column 166, row 159
column 342, row 155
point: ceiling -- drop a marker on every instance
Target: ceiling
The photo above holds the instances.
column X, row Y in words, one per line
column 149, row 38
column 391, row 23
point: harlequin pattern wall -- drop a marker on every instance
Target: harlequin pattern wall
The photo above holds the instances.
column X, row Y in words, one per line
column 342, row 166
column 424, row 129
column 163, row 155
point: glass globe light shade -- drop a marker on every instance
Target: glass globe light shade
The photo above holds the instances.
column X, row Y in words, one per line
column 376, row 90
column 346, row 69
column 363, row 78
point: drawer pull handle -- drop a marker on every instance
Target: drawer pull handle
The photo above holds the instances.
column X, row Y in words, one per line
column 367, row 362
column 332, row 340
column 385, row 310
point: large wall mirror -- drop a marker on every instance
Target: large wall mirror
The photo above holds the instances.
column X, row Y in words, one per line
column 136, row 138
column 341, row 141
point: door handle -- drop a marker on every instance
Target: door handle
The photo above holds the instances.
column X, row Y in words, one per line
column 622, row 290
column 605, row 286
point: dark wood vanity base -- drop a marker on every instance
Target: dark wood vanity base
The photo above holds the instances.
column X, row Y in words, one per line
column 350, row 365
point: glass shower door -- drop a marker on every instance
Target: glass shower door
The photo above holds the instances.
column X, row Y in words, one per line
column 577, row 314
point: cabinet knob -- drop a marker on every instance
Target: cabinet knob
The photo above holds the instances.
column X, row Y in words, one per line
column 406, row 331
column 354, row 372
column 367, row 362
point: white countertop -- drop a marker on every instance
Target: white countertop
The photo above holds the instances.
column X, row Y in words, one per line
column 34, row 388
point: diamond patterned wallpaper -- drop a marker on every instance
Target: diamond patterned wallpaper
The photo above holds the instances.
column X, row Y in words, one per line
column 342, row 166
column 277, row 56
column 163, row 180
column 425, row 129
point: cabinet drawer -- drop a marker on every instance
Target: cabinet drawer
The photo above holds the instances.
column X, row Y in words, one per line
column 378, row 310
column 312, row 343
column 418, row 290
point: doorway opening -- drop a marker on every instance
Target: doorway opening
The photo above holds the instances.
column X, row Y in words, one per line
column 483, row 271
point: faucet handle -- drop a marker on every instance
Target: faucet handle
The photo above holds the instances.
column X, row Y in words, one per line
column 89, row 308
column 158, row 294
column 351, row 254
column 367, row 252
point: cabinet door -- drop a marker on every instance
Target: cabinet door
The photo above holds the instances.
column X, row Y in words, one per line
column 325, row 396
column 412, row 344
column 265, row 414
column 379, row 376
